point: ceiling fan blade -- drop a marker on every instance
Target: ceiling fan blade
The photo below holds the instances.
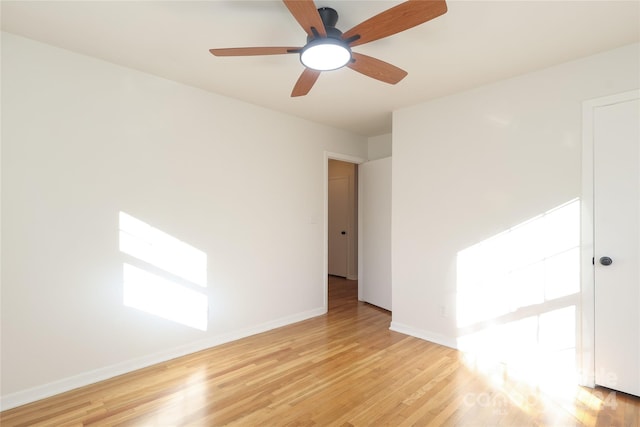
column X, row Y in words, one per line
column 305, row 82
column 399, row 18
column 376, row 68
column 249, row 51
column 307, row 15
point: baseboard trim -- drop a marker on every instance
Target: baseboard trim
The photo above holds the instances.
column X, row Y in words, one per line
column 424, row 335
column 86, row 378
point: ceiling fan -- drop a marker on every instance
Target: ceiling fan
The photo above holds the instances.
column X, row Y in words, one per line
column 327, row 48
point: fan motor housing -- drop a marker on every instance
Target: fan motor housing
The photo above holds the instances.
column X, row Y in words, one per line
column 329, row 18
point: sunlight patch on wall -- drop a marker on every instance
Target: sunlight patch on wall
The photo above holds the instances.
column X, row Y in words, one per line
column 155, row 286
column 156, row 295
column 517, row 294
column 529, row 264
column 162, row 250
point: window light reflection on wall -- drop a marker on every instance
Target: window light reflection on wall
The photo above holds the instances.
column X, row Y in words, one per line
column 517, row 294
column 167, row 277
column 149, row 244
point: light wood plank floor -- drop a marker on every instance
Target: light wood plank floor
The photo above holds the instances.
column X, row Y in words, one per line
column 342, row 369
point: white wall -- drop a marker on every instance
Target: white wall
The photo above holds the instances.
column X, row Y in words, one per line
column 470, row 166
column 84, row 140
column 379, row 146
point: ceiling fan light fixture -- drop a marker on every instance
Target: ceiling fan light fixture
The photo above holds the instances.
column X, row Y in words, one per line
column 325, row 54
column 328, row 48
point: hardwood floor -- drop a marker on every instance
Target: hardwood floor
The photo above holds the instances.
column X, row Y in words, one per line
column 342, row 369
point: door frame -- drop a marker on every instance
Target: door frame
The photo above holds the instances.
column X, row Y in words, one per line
column 325, row 262
column 586, row 334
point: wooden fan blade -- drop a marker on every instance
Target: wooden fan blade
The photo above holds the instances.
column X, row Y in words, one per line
column 249, row 51
column 399, row 18
column 376, row 68
column 305, row 82
column 307, row 15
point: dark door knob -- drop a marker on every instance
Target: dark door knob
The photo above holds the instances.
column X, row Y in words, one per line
column 605, row 260
column 343, row 232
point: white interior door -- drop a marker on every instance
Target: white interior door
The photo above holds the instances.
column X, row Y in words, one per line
column 338, row 226
column 375, row 231
column 616, row 154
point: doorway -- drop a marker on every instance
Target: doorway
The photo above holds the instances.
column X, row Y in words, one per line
column 351, row 231
column 342, row 217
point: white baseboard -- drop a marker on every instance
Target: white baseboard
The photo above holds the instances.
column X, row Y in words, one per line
column 424, row 335
column 47, row 390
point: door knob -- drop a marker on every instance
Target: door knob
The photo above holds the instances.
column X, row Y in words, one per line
column 343, row 232
column 605, row 260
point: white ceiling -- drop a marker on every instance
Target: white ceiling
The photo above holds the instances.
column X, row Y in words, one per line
column 474, row 43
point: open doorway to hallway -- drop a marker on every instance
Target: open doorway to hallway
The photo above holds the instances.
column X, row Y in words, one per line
column 342, row 219
column 342, row 233
column 364, row 226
